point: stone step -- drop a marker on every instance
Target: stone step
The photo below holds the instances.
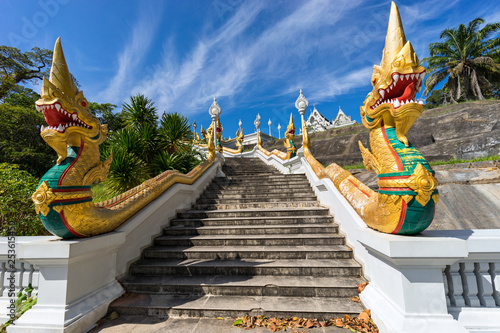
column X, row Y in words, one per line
column 261, row 187
column 248, row 252
column 252, row 205
column 251, row 221
column 277, row 195
column 260, row 285
column 253, row 173
column 304, row 229
column 210, row 191
column 234, row 306
column 288, row 267
column 230, row 180
column 271, row 177
column 281, row 212
column 251, row 240
column 203, row 200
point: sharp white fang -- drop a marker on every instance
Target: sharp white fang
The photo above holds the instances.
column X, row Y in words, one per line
column 60, row 128
column 42, row 128
column 413, row 76
column 74, row 116
column 382, row 93
column 422, row 75
column 58, row 107
column 396, row 78
column 396, row 103
column 407, row 76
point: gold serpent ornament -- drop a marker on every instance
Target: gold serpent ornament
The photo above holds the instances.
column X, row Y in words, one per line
column 64, row 198
column 406, row 181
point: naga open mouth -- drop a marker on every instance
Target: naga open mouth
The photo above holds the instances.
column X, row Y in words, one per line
column 402, row 91
column 59, row 119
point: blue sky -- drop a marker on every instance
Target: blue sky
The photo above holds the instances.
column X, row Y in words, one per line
column 253, row 55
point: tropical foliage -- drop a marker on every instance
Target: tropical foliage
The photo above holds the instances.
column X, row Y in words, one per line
column 17, row 211
column 22, row 67
column 144, row 148
column 20, row 140
column 468, row 59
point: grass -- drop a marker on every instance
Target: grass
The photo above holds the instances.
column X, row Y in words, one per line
column 456, row 161
column 100, row 193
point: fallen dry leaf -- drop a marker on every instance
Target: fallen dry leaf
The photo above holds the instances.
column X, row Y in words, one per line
column 355, row 299
column 362, row 286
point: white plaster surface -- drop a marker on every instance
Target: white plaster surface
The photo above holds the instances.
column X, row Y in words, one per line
column 77, row 279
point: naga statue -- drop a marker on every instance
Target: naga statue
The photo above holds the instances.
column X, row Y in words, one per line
column 289, row 135
column 239, row 143
column 63, row 198
column 289, row 145
column 203, row 134
column 407, row 193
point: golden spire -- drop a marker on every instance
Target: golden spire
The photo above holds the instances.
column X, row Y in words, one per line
column 395, row 38
column 290, row 124
column 59, row 73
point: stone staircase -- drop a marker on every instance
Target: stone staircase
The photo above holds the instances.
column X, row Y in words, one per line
column 256, row 242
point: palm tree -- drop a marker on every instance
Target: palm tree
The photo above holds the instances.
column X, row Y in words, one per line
column 175, row 132
column 466, row 57
column 139, row 112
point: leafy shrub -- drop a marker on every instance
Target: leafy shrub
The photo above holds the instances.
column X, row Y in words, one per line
column 16, row 188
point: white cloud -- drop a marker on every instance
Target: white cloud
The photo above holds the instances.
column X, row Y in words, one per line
column 132, row 55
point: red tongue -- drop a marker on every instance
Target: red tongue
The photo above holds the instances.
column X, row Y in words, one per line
column 408, row 94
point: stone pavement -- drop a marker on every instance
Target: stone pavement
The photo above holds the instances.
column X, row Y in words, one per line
column 144, row 324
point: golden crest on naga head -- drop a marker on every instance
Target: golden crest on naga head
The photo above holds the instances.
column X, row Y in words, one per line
column 290, row 129
column 396, row 82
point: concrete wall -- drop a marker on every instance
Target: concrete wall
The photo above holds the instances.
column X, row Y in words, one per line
column 76, row 280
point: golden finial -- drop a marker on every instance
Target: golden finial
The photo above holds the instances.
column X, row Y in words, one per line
column 395, row 38
column 59, row 73
column 290, row 124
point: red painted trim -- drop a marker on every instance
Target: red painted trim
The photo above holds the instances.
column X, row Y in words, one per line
column 72, row 199
column 165, row 175
column 401, row 218
column 394, row 177
column 396, row 156
column 61, row 179
column 121, row 200
column 70, row 229
column 359, row 188
column 395, row 189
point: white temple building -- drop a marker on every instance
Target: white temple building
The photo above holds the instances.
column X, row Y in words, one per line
column 318, row 123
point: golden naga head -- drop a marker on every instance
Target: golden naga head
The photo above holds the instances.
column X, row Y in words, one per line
column 66, row 110
column 290, row 129
column 219, row 129
column 239, row 138
column 395, row 83
column 203, row 133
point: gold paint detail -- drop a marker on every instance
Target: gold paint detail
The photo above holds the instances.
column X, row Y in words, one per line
column 382, row 211
column 435, row 197
column 59, row 94
column 422, row 182
column 42, row 198
column 369, row 161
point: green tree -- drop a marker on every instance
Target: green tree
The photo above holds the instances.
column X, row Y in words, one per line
column 20, row 140
column 22, row 96
column 175, row 132
column 22, row 67
column 465, row 57
column 17, row 211
column 139, row 112
column 105, row 114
